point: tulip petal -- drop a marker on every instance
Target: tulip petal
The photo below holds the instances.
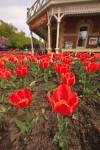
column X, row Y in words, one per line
column 63, row 108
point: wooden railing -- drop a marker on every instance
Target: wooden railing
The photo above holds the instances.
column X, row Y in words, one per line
column 38, row 5
column 89, row 50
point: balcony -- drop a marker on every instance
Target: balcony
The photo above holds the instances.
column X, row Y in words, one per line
column 41, row 5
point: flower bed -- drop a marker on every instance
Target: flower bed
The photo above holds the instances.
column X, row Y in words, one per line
column 49, row 101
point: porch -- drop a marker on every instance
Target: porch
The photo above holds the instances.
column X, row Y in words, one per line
column 89, row 50
column 47, row 20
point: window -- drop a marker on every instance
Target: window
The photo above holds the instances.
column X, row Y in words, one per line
column 99, row 42
column 93, row 41
column 82, row 37
column 68, row 45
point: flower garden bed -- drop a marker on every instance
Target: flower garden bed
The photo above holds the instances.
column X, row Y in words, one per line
column 49, row 101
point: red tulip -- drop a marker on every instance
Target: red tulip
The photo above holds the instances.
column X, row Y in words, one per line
column 5, row 73
column 86, row 62
column 1, row 65
column 2, row 62
column 12, row 58
column 31, row 58
column 56, row 56
column 45, row 63
column 62, row 68
column 63, row 100
column 92, row 67
column 83, row 56
column 21, row 71
column 21, row 58
column 68, row 78
column 67, row 59
column 97, row 56
column 21, row 98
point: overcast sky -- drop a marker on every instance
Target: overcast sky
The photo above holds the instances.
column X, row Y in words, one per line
column 14, row 12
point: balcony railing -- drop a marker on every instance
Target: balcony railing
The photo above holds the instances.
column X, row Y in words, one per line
column 38, row 5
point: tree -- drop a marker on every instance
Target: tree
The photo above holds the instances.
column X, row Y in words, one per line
column 6, row 30
column 17, row 40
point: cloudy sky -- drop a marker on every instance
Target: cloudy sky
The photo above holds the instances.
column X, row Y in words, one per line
column 14, row 12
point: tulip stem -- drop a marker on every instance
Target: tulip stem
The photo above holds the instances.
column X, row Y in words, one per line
column 21, row 82
column 61, row 136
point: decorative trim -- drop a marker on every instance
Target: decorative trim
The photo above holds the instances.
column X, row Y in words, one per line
column 76, row 9
column 83, row 50
column 70, row 34
column 94, row 34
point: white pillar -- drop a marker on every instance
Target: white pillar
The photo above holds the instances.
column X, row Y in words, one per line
column 57, row 39
column 49, row 33
column 32, row 49
column 49, row 36
column 58, row 17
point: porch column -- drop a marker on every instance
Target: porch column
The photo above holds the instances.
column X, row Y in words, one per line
column 32, row 49
column 49, row 34
column 57, row 39
column 58, row 17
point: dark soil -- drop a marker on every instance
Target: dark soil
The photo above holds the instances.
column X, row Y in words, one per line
column 84, row 131
column 41, row 137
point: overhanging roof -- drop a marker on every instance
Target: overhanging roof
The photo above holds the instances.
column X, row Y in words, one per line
column 41, row 5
